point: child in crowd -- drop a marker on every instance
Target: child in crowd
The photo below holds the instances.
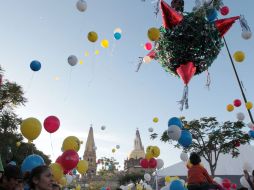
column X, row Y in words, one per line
column 198, row 177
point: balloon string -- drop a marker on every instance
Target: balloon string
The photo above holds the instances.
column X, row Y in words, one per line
column 68, row 86
column 113, row 49
column 51, row 145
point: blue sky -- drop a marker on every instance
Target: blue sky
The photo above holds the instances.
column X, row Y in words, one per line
column 105, row 89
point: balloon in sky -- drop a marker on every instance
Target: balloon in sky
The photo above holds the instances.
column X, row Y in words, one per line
column 155, row 119
column 103, row 127
column 30, row 162
column 82, row 166
column 153, row 34
column 118, row 30
column 72, row 60
column 81, row 5
column 104, row 43
column 51, row 124
column 35, row 65
column 30, row 128
column 175, row 121
column 71, row 143
column 117, row 35
column 57, row 171
column 239, row 56
column 185, row 139
column 92, row 36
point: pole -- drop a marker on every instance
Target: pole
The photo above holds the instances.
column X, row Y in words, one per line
column 237, row 77
column 156, row 179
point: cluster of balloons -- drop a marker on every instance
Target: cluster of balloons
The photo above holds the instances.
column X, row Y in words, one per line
column 226, row 183
column 177, row 132
column 174, row 183
column 239, row 56
column 149, row 161
column 81, row 5
column 237, row 103
column 69, row 161
column 117, row 33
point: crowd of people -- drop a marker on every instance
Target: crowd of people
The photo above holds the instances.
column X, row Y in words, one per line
column 40, row 178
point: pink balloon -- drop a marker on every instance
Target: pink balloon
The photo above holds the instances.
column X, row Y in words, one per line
column 224, row 10
column 144, row 163
column 51, row 124
column 70, row 159
column 152, row 163
column 148, row 46
column 59, row 160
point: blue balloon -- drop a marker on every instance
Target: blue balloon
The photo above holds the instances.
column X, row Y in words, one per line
column 103, row 188
column 31, row 162
column 117, row 35
column 74, row 172
column 251, row 133
column 176, row 185
column 175, row 121
column 212, row 15
column 35, row 65
column 185, row 139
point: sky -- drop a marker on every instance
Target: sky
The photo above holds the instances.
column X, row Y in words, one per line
column 105, row 89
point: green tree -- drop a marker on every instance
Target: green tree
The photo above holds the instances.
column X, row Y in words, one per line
column 210, row 138
column 12, row 96
column 108, row 167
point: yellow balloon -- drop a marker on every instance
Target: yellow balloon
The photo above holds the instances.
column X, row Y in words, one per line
column 81, row 62
column 57, row 171
column 155, row 151
column 71, row 143
column 92, row 36
column 155, row 120
column 149, row 155
column 148, row 149
column 153, row 34
column 230, row 107
column 18, row 144
column 139, row 187
column 168, row 179
column 239, row 56
column 82, row 166
column 78, row 187
column 63, row 181
column 104, row 43
column 249, row 105
column 174, row 178
column 113, row 150
column 96, row 52
column 86, row 53
column 30, row 128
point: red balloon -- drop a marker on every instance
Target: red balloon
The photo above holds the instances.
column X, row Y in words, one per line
column 152, row 163
column 148, row 46
column 237, row 103
column 233, row 186
column 59, row 160
column 70, row 159
column 108, row 188
column 144, row 163
column 226, row 183
column 51, row 124
column 66, row 171
column 224, row 10
column 186, row 71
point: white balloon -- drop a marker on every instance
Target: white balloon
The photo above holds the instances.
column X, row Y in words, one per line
column 218, row 180
column 244, row 182
column 103, row 127
column 147, row 177
column 160, row 164
column 72, row 60
column 117, row 146
column 240, row 116
column 68, row 179
column 81, row 5
column 184, row 156
column 131, row 185
column 118, row 30
column 147, row 59
column 174, row 132
column 247, row 166
column 246, row 35
column 150, row 129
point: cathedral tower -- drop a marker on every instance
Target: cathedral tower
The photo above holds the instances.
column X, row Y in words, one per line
column 90, row 154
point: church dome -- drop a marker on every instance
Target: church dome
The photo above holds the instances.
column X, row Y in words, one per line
column 136, row 154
